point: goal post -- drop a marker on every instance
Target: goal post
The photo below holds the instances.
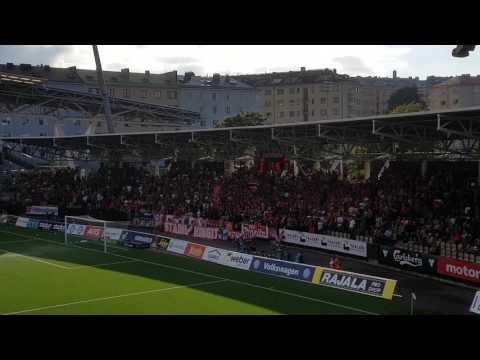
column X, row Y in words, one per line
column 86, row 228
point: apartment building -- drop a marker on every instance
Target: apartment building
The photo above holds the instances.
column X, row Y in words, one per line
column 312, row 95
column 158, row 89
column 457, row 92
column 217, row 97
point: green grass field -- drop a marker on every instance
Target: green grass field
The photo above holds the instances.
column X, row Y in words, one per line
column 40, row 275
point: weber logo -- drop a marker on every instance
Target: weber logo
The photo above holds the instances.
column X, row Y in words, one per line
column 385, row 252
column 431, row 262
column 214, row 254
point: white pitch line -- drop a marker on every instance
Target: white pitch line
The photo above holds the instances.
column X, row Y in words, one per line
column 205, row 274
column 104, row 264
column 16, row 242
column 115, row 297
column 36, row 259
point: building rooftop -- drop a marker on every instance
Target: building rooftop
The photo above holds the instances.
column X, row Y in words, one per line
column 216, row 81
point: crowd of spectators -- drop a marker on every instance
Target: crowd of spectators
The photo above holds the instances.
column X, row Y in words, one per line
column 401, row 206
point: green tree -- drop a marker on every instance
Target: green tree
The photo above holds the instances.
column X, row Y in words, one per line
column 247, row 119
column 407, row 108
column 403, row 96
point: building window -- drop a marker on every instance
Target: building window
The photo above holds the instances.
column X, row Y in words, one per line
column 442, row 102
column 76, row 123
column 214, row 110
column 268, row 103
column 298, row 90
column 228, row 97
column 455, row 101
column 172, row 95
column 280, row 102
column 292, row 113
column 227, row 109
column 313, row 101
column 112, row 92
column 126, row 92
column 268, row 92
column 143, row 93
column 292, row 101
column 336, row 100
column 40, row 122
column 158, row 94
column 323, row 100
column 280, row 91
column 99, row 124
column 281, row 114
column 214, row 96
column 313, row 112
column 291, row 91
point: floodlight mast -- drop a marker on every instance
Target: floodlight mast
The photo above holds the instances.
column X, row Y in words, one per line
column 101, row 84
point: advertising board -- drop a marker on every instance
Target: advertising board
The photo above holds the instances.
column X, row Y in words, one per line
column 283, row 268
column 194, row 250
column 407, row 260
column 22, row 222
column 459, row 269
column 368, row 285
column 177, row 246
column 325, row 242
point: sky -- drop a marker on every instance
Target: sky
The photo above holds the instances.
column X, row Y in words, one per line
column 362, row 60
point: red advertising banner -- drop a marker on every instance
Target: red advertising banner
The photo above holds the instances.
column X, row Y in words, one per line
column 93, row 232
column 178, row 229
column 194, row 250
column 205, row 232
column 255, row 230
column 459, row 269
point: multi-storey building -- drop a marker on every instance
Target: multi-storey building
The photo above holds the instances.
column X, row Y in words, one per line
column 311, row 95
column 158, row 89
column 216, row 98
column 458, row 92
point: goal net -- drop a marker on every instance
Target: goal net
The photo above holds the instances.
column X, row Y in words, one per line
column 84, row 229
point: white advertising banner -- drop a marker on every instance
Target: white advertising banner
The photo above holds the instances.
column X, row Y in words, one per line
column 22, row 222
column 76, row 229
column 42, row 210
column 326, row 242
column 237, row 260
column 177, row 246
column 113, row 233
column 213, row 254
column 475, row 308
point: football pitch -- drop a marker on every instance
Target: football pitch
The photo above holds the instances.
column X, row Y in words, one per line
column 42, row 276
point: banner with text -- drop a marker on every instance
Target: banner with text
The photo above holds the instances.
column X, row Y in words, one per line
column 177, row 246
column 283, row 268
column 194, row 250
column 76, row 229
column 359, row 283
column 407, row 260
column 179, row 229
column 128, row 236
column 42, row 210
column 22, row 222
column 459, row 269
column 255, row 231
column 325, row 242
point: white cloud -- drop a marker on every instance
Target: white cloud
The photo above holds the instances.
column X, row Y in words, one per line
column 379, row 60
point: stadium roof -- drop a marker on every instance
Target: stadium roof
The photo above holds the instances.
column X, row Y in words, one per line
column 24, row 91
column 423, row 135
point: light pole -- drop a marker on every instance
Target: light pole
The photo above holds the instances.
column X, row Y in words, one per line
column 103, row 91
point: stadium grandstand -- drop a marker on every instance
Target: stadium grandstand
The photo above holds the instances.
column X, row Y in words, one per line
column 372, row 215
